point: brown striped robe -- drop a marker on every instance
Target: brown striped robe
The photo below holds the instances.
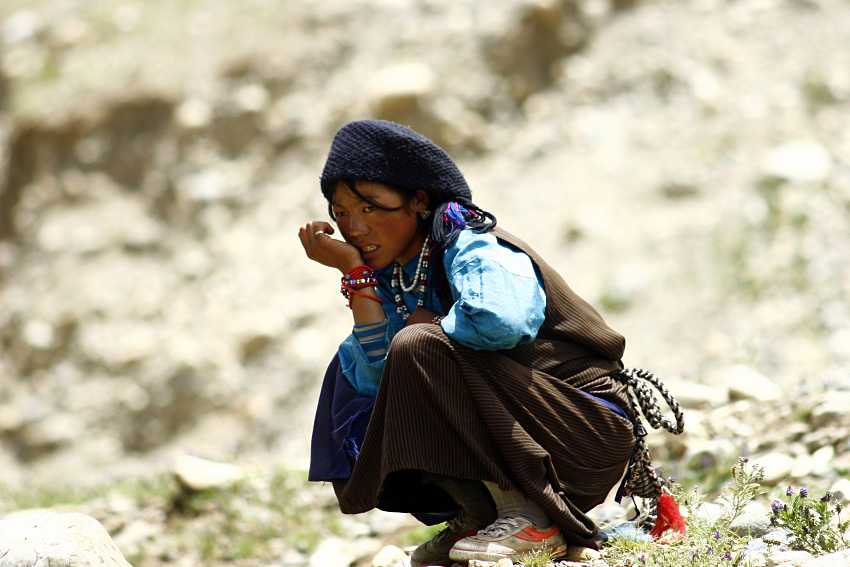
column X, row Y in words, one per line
column 515, row 417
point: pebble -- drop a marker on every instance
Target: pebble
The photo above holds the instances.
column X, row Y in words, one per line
column 195, row 473
column 798, row 160
column 777, row 466
column 841, row 491
column 753, row 522
column 757, row 549
column 22, row 26
column 744, row 382
column 391, row 556
column 832, row 411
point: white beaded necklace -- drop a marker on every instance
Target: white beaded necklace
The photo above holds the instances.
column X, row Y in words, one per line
column 419, row 280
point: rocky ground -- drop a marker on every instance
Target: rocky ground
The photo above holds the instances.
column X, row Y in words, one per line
column 685, row 165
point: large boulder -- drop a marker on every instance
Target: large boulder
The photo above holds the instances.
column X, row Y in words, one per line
column 57, row 540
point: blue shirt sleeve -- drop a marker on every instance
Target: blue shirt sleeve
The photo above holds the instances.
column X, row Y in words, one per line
column 373, row 338
column 363, row 374
column 499, row 299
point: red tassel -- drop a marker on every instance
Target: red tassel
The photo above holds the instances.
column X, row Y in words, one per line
column 669, row 517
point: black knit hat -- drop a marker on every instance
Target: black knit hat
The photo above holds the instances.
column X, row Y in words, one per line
column 389, row 153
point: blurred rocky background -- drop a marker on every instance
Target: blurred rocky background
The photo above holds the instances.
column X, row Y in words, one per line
column 684, row 164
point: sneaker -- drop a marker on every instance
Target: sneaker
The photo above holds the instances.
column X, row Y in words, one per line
column 436, row 551
column 513, row 538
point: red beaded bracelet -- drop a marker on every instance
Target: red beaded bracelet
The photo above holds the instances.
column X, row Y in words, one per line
column 356, row 279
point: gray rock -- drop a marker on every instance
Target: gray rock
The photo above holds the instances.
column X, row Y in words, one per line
column 710, row 453
column 710, row 512
column 757, row 549
column 834, row 410
column 837, row 559
column 692, row 395
column 777, row 466
column 339, row 552
column 744, row 382
column 195, row 473
column 789, row 558
column 57, row 540
column 23, row 25
column 398, row 90
column 841, row 491
column 391, row 556
column 608, row 516
column 799, row 160
column 752, row 522
column 822, row 461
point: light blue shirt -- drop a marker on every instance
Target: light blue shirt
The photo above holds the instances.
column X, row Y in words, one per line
column 499, row 303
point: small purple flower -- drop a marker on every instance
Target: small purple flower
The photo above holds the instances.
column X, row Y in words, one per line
column 710, row 550
column 671, row 480
column 804, row 492
column 728, row 556
column 692, row 554
column 642, row 557
column 790, row 491
column 717, row 535
column 775, row 507
column 826, row 497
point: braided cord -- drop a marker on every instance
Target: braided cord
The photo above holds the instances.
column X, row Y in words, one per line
column 644, row 399
column 642, row 480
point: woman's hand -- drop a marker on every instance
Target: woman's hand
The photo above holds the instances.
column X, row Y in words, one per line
column 421, row 315
column 321, row 248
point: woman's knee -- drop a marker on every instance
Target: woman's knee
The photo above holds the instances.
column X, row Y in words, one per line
column 416, row 340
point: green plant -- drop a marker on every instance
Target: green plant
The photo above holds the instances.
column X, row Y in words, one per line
column 744, row 488
column 539, row 558
column 810, row 521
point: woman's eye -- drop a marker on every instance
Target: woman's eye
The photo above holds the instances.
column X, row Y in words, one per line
column 368, row 209
column 338, row 214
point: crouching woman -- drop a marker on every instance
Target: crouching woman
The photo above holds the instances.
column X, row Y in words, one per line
column 476, row 387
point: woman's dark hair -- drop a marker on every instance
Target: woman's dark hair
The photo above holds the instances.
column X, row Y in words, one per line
column 406, row 195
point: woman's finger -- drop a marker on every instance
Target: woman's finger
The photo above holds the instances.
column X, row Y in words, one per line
column 320, row 227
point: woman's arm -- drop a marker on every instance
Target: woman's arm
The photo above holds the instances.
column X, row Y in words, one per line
column 363, row 352
column 500, row 301
column 321, row 248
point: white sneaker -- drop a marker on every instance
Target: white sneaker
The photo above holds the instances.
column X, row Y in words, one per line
column 436, row 551
column 513, row 538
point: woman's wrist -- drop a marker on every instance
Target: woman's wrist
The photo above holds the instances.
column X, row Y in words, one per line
column 352, row 264
column 355, row 281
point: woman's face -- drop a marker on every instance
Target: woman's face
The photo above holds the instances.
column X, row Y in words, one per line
column 382, row 236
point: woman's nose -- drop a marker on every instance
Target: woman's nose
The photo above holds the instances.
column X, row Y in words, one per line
column 357, row 225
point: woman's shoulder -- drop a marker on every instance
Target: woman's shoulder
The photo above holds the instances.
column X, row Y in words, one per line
column 471, row 243
column 477, row 247
column 495, row 238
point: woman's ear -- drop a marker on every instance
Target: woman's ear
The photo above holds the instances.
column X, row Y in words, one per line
column 421, row 200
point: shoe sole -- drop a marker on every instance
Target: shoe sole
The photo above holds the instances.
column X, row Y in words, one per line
column 461, row 555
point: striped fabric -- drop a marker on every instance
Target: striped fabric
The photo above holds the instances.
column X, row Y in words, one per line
column 516, row 417
column 371, row 337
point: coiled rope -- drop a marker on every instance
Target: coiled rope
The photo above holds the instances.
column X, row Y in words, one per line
column 641, row 479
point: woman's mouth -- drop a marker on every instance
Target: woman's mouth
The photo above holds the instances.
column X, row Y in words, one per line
column 369, row 249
